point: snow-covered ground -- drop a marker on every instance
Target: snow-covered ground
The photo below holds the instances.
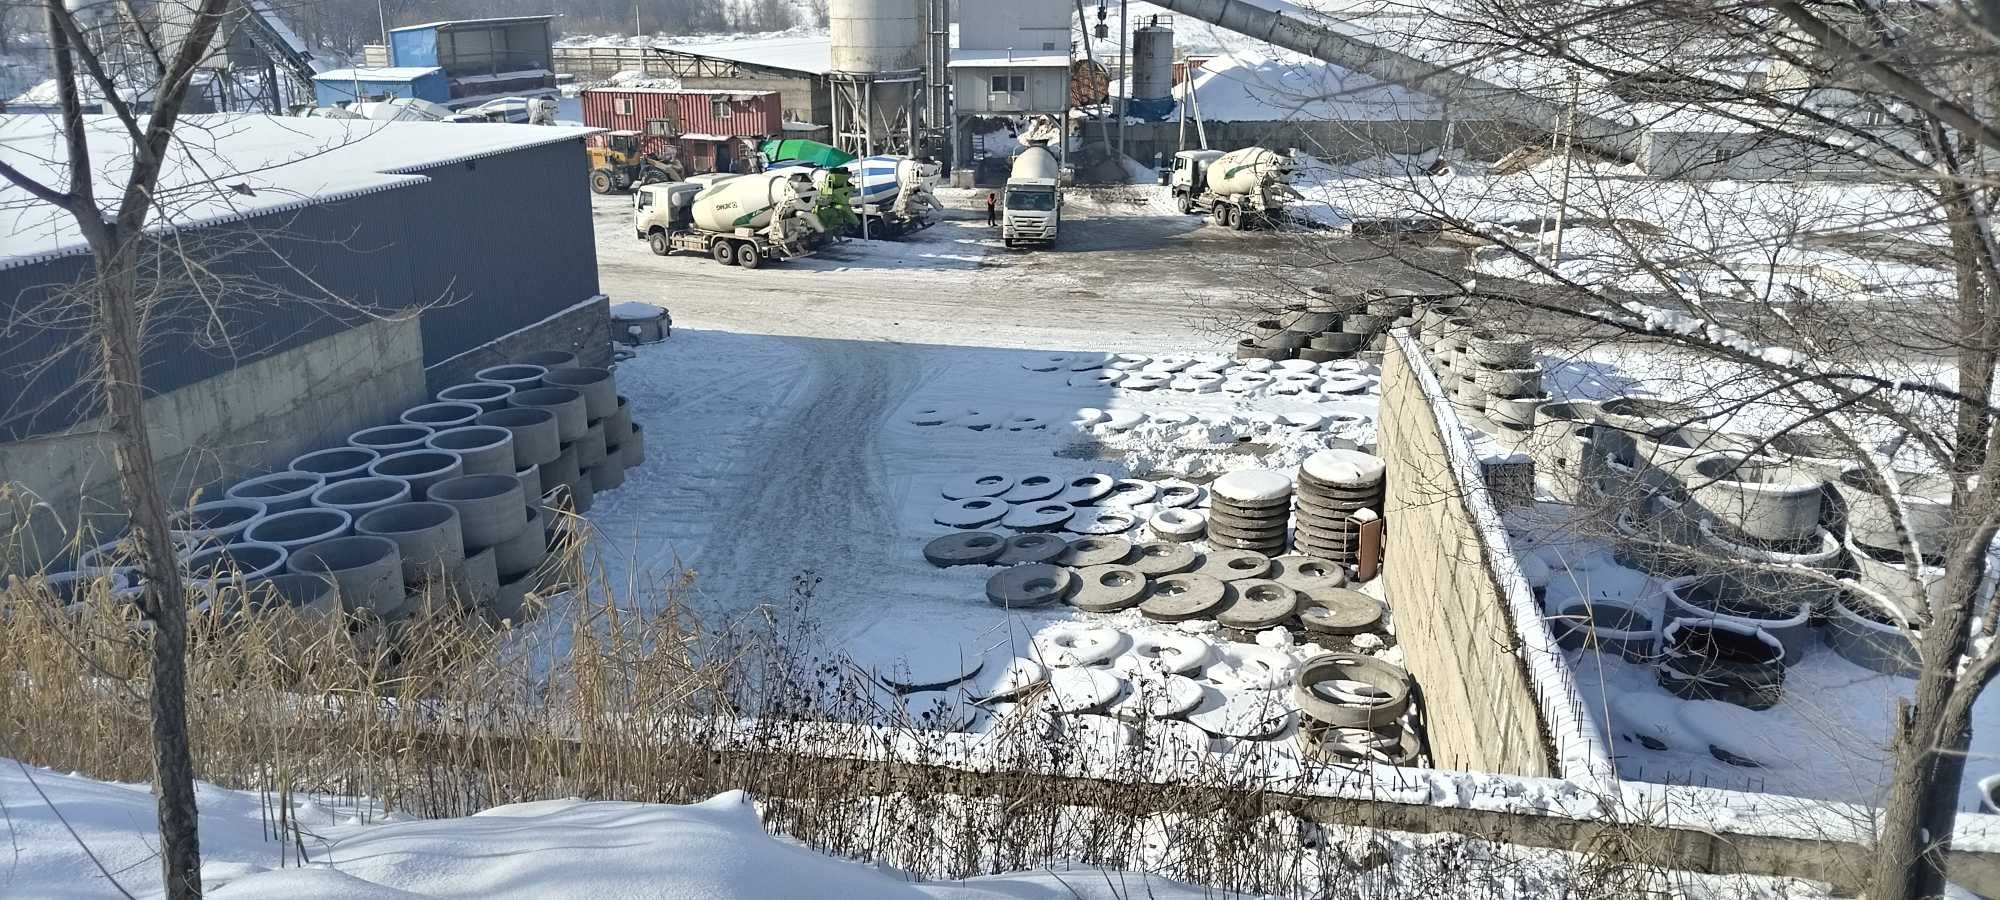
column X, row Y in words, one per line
column 72, row 837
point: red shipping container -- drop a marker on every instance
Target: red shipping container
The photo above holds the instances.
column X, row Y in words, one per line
column 709, row 129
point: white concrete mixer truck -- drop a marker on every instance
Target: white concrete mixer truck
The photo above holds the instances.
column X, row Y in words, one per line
column 738, row 220
column 1237, row 189
column 1033, row 199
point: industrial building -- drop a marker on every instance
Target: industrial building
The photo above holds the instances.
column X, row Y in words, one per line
column 482, row 59
column 709, row 131
column 362, row 265
column 795, row 69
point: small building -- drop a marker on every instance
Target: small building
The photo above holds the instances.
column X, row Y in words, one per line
column 1012, row 62
column 794, row 67
column 341, row 86
column 709, row 130
column 482, row 59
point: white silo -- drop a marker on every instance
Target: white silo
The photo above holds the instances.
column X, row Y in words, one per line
column 879, row 57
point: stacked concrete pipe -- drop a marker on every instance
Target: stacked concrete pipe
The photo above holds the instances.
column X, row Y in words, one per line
column 1354, row 709
column 336, row 464
column 390, row 439
column 214, row 522
column 1781, row 574
column 489, row 396
column 571, row 411
column 300, row 528
column 478, row 582
column 481, row 449
column 591, row 448
column 598, row 387
column 519, row 376
column 313, row 596
column 1757, row 497
column 419, row 468
column 366, row 568
column 358, row 496
column 1862, row 632
column 608, row 474
column 278, row 491
column 559, row 476
column 618, row 426
column 440, row 416
column 429, row 544
column 548, row 359
column 497, row 518
column 1706, row 598
column 632, row 453
column 234, row 565
column 1721, row 659
column 1558, row 443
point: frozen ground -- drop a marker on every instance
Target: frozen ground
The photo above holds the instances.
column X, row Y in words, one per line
column 717, row 850
column 783, row 414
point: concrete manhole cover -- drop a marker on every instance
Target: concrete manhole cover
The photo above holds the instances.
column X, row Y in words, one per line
column 1258, row 603
column 1177, row 598
column 1156, row 698
column 1306, row 573
column 1130, row 492
column 1037, row 486
column 1027, row 586
column 1006, row 680
column 987, row 484
column 1041, row 515
column 1085, row 490
column 1178, row 525
column 1233, row 565
column 1249, row 715
column 1158, row 652
column 1067, row 644
column 1031, row 548
column 1103, row 521
column 1096, row 550
column 1108, row 588
column 1156, row 558
column 964, row 548
column 1079, row 690
column 970, row 513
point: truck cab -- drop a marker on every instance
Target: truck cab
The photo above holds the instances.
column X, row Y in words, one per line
column 1033, row 211
column 1190, row 177
column 664, row 207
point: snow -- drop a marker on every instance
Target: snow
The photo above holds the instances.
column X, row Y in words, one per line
column 283, row 162
column 1273, row 85
column 714, row 850
column 392, row 73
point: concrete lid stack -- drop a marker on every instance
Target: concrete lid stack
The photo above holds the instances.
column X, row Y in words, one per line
column 1338, row 492
column 1250, row 509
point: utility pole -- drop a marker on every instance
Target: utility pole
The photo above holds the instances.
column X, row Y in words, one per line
column 382, row 16
column 638, row 30
column 1568, row 148
column 1125, row 57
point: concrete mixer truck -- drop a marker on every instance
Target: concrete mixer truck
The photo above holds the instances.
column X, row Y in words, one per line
column 1237, row 189
column 738, row 220
column 892, row 194
column 1033, row 198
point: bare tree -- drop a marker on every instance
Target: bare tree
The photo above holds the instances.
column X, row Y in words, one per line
column 1812, row 239
column 113, row 222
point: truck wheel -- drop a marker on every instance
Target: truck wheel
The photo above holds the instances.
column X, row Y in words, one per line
column 658, row 241
column 748, row 256
column 1009, row 242
column 1220, row 214
column 601, row 181
column 723, row 252
column 1187, row 204
column 1239, row 219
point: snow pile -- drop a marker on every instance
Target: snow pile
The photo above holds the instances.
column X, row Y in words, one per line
column 716, row 850
column 1272, row 85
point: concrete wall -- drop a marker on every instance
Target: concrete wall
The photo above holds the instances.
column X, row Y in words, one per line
column 209, row 434
column 1332, row 141
column 1452, row 620
column 584, row 329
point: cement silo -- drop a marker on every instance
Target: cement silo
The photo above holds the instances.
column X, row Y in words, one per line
column 1152, row 82
column 879, row 59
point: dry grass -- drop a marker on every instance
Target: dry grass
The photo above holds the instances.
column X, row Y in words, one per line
column 628, row 698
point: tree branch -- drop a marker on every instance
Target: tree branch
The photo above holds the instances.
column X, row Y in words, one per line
column 1902, row 83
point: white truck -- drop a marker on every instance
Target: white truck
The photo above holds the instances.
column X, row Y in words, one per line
column 1237, row 189
column 1032, row 200
column 737, row 220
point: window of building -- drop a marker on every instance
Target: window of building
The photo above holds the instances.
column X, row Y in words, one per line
column 660, row 127
column 719, row 108
column 1048, row 45
column 1009, row 84
column 622, row 106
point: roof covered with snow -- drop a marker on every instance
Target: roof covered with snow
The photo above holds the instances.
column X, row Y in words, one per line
column 391, row 73
column 1248, row 86
column 225, row 168
column 810, row 54
column 454, row 23
column 962, row 58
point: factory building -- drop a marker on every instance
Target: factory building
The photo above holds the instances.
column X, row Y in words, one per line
column 360, row 266
column 710, row 131
column 795, row 69
column 482, row 59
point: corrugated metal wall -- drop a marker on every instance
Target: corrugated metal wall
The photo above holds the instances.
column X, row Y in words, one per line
column 692, row 112
column 493, row 245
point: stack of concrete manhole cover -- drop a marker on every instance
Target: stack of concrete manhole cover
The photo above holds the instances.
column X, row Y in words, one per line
column 1338, row 491
column 1250, row 509
column 1355, row 710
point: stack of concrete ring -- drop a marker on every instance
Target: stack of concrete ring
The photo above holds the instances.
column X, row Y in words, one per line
column 1338, row 492
column 1251, row 509
column 1357, row 709
column 453, row 499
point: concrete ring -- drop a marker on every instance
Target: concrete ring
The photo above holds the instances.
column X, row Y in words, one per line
column 964, row 548
column 1340, row 611
column 932, row 415
column 1062, row 645
column 1052, row 363
column 1307, row 574
column 1345, row 469
column 1123, row 419
column 1179, row 493
column 1129, row 361
column 1079, row 690
column 1351, row 691
column 1178, row 524
column 1001, row 682
column 974, row 420
column 1252, row 667
column 1144, row 381
column 985, row 484
column 1130, row 492
column 1098, row 379
column 1087, row 362
column 1297, row 365
column 1211, row 366
column 1103, row 521
column 1035, row 486
column 1030, row 585
column 1258, row 603
column 1158, row 652
column 1156, row 558
column 1024, row 423
column 1178, row 598
column 1035, row 547
column 1250, row 715
column 1159, row 697
column 1254, row 366
column 1345, row 384
column 1108, row 588
column 1233, row 565
column 1087, row 416
column 1220, row 528
column 1085, row 490
column 1096, row 550
column 972, row 512
column 1253, row 487
column 1042, row 515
